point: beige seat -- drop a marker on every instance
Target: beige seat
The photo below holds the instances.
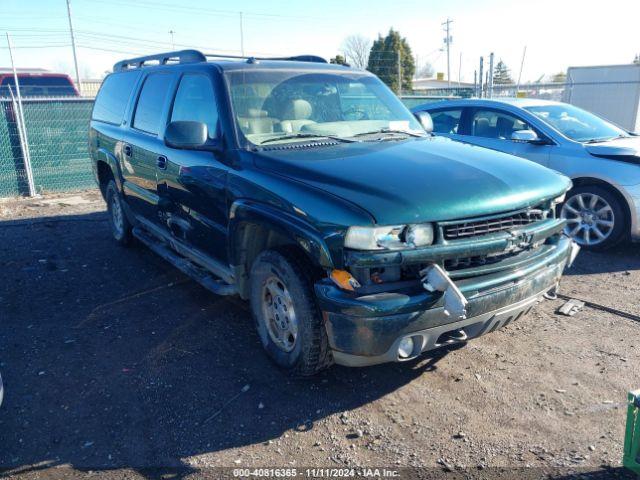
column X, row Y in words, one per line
column 296, row 116
column 257, row 121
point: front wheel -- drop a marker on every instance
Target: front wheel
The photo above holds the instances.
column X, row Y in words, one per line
column 287, row 318
column 595, row 218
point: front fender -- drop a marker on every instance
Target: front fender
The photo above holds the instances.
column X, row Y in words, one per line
column 293, row 228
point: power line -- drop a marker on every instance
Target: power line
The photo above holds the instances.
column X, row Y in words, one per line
column 207, row 11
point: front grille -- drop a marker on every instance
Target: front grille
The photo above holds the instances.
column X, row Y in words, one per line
column 495, row 224
column 453, row 264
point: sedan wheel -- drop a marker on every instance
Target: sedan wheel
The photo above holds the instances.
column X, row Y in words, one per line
column 594, row 217
column 590, row 219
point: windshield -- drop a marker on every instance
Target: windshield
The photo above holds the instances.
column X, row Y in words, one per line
column 577, row 124
column 276, row 106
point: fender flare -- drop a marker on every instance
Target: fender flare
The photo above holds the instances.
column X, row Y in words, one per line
column 291, row 227
column 104, row 155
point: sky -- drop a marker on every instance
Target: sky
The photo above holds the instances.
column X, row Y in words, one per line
column 557, row 33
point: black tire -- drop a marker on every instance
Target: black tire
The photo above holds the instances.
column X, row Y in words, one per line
column 310, row 351
column 618, row 215
column 118, row 222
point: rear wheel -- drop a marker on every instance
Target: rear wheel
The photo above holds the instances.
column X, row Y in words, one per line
column 120, row 226
column 287, row 318
column 595, row 218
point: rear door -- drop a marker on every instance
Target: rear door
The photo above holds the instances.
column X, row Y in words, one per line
column 142, row 149
column 193, row 184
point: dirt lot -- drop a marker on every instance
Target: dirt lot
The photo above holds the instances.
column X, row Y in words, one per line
column 113, row 360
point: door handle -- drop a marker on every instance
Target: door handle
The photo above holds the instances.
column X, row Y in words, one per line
column 161, row 162
column 127, row 150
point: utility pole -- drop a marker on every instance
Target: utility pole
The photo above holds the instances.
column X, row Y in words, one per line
column 490, row 72
column 399, row 73
column 447, row 42
column 524, row 52
column 173, row 44
column 73, row 46
column 480, row 78
column 460, row 71
column 475, row 83
column 241, row 36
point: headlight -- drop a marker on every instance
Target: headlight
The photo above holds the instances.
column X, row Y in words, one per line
column 558, row 200
column 393, row 237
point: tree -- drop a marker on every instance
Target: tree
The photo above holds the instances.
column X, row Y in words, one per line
column 386, row 53
column 636, row 60
column 339, row 59
column 425, row 70
column 501, row 74
column 356, row 49
column 560, row 77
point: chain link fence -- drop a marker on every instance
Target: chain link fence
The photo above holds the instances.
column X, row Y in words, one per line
column 55, row 142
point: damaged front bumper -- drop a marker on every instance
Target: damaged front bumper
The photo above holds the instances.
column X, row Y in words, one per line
column 367, row 329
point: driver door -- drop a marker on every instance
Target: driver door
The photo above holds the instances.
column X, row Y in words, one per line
column 193, row 184
column 492, row 129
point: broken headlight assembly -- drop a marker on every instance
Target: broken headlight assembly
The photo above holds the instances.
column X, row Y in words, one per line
column 559, row 200
column 394, row 237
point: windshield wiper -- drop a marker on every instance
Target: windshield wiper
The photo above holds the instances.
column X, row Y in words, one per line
column 390, row 130
column 600, row 140
column 306, row 135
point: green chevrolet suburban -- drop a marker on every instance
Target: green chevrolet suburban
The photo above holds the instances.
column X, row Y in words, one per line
column 309, row 190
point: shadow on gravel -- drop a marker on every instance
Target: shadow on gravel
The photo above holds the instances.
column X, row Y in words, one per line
column 621, row 258
column 604, row 474
column 112, row 359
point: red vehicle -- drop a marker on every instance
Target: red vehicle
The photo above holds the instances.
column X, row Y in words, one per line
column 37, row 83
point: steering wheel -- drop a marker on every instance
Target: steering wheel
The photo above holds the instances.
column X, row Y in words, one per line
column 355, row 113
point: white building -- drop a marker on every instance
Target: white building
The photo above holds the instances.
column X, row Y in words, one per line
column 610, row 91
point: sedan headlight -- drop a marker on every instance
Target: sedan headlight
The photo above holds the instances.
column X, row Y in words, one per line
column 558, row 200
column 393, row 237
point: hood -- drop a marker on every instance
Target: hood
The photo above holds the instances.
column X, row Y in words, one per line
column 418, row 180
column 621, row 149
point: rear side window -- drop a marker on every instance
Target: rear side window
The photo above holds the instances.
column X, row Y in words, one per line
column 446, row 121
column 151, row 102
column 195, row 101
column 113, row 97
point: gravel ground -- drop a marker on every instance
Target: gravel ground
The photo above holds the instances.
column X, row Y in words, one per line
column 115, row 363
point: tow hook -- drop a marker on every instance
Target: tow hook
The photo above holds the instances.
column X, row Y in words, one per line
column 434, row 278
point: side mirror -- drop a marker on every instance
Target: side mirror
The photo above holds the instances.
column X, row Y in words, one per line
column 527, row 136
column 425, row 120
column 188, row 135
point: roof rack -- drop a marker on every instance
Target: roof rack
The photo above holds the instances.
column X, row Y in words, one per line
column 195, row 56
column 180, row 56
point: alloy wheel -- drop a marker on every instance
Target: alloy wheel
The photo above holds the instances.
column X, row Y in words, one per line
column 590, row 218
column 280, row 316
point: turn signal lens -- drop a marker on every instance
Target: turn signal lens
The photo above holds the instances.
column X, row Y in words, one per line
column 344, row 280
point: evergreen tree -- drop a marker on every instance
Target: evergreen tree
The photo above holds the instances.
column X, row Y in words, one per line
column 339, row 59
column 383, row 60
column 501, row 74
